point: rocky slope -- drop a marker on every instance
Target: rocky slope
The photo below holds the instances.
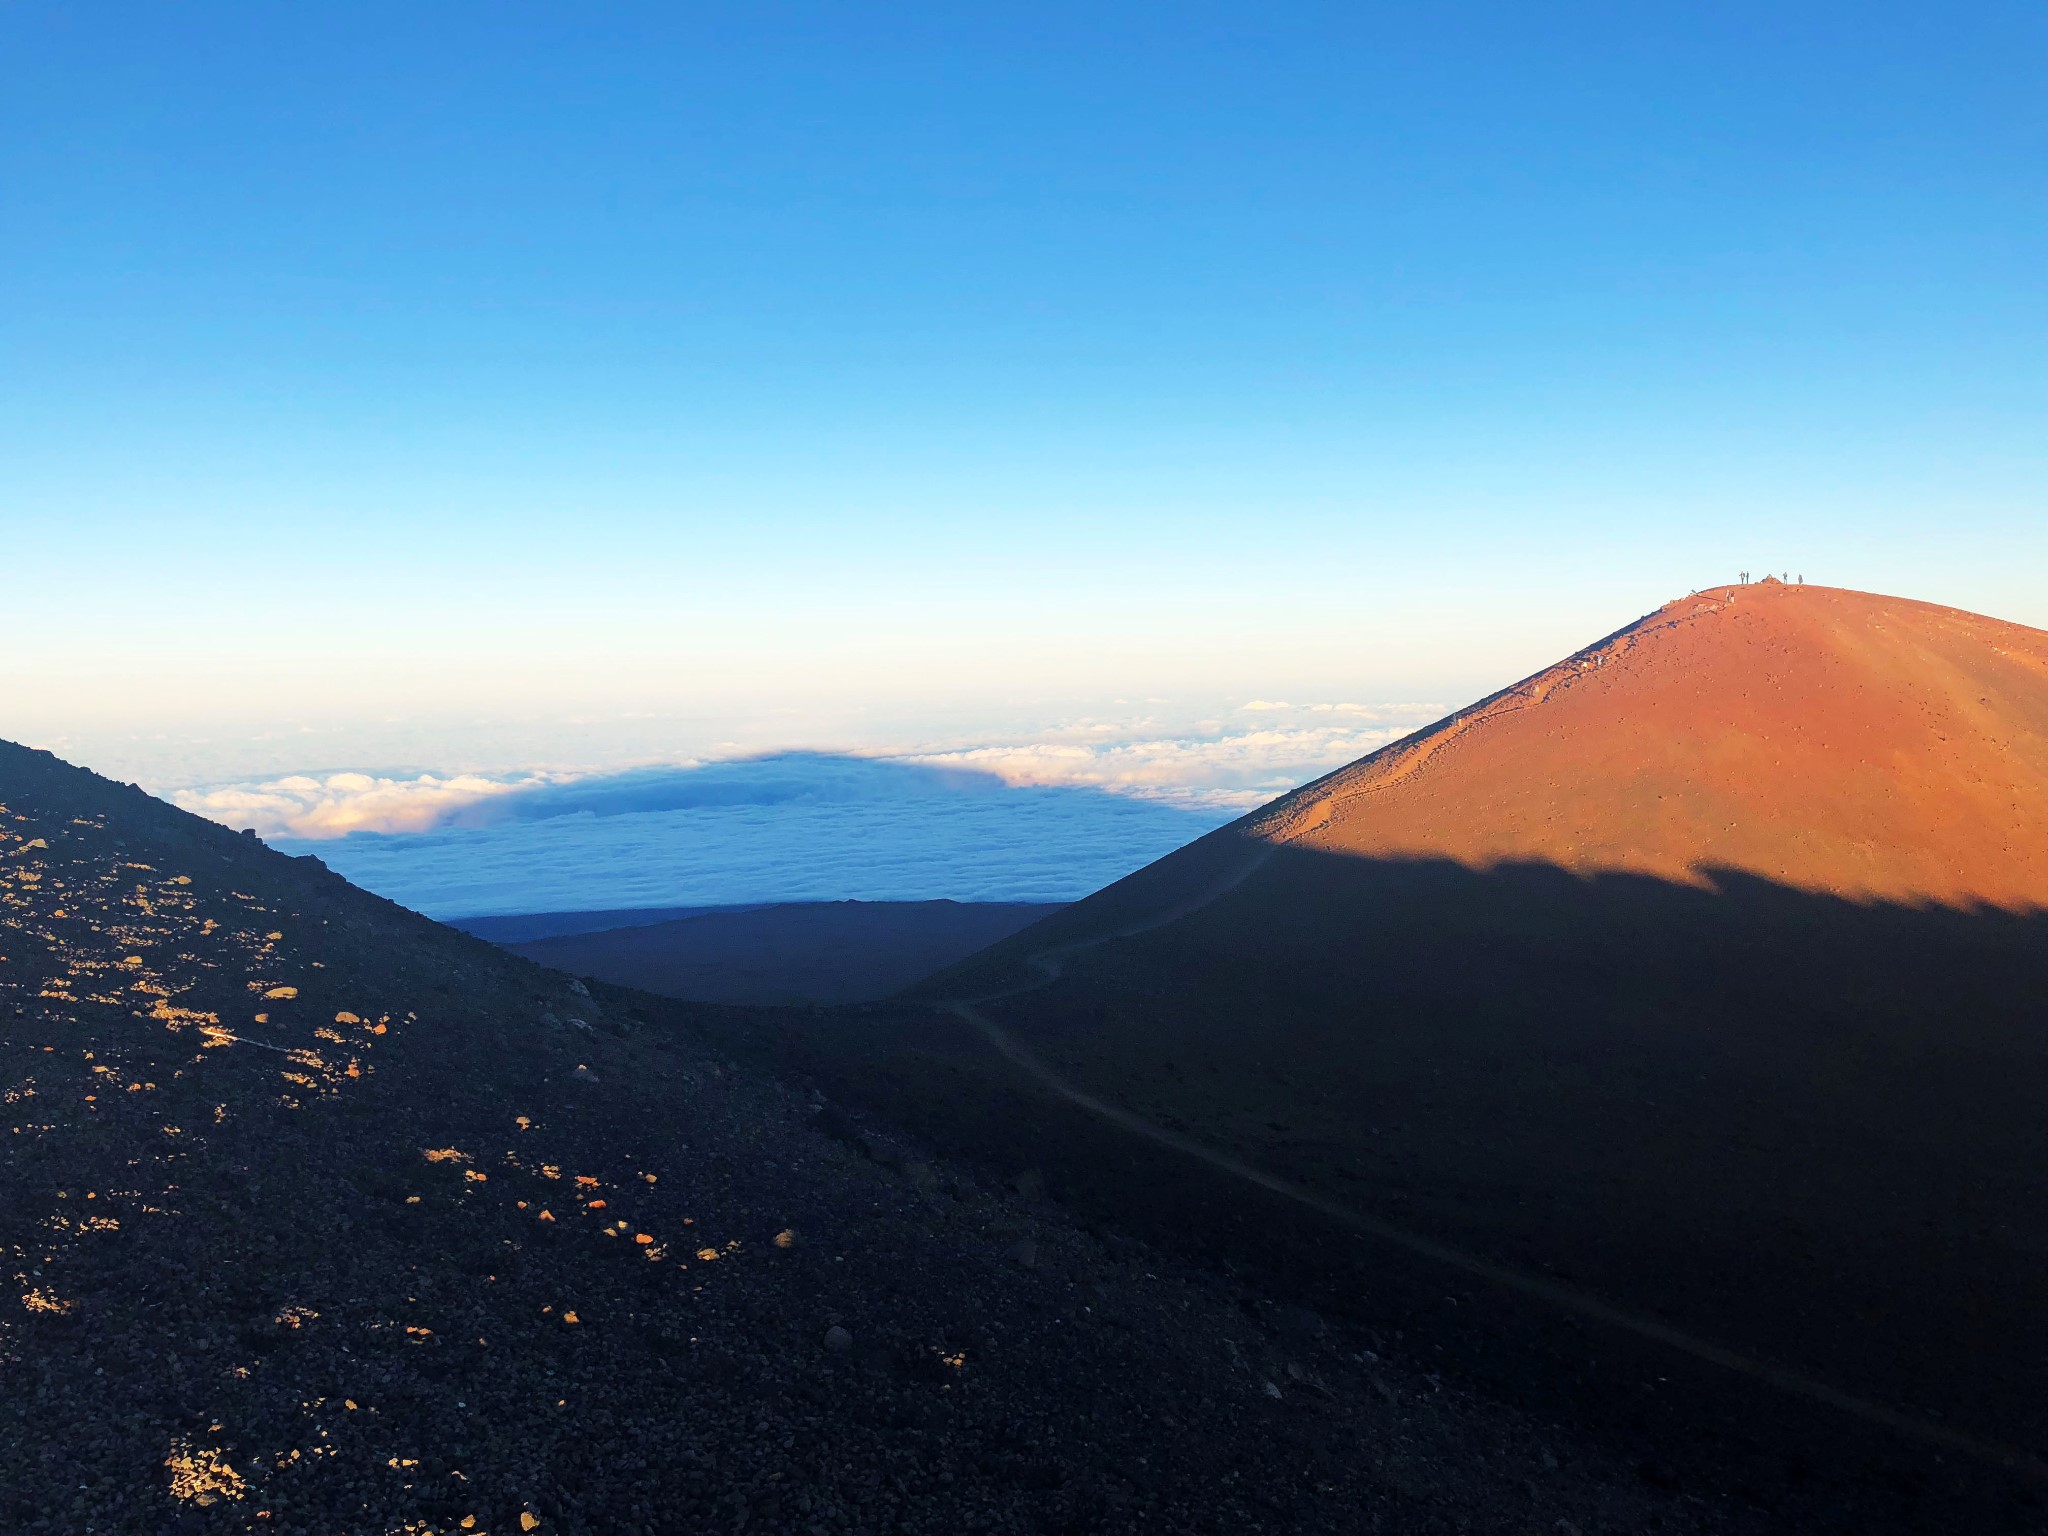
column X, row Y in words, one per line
column 318, row 1217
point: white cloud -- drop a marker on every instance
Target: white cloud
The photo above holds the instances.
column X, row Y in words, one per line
column 1238, row 769
column 336, row 804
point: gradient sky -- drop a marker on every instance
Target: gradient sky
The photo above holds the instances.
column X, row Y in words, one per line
column 457, row 385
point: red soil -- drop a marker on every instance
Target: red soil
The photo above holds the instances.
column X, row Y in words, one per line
column 1835, row 741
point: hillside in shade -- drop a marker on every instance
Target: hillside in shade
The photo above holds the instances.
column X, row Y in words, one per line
column 317, row 1217
column 1688, row 1000
column 788, row 953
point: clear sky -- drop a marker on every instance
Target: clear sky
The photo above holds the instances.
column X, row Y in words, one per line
column 451, row 387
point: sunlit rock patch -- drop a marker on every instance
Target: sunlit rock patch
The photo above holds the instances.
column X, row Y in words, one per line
column 202, row 1474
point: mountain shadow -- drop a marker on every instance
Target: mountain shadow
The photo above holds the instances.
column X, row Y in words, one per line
column 791, row 827
column 1802, row 1130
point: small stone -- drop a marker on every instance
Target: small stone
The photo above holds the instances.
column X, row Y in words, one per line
column 1272, row 1391
column 838, row 1340
column 1025, row 1251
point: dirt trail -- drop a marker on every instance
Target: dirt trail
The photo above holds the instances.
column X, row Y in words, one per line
column 1049, row 965
column 1833, row 743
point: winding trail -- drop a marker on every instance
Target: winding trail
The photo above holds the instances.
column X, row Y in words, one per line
column 1048, row 966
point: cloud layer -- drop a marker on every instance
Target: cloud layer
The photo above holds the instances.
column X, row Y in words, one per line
column 1050, row 818
column 1234, row 771
column 983, row 843
column 336, row 804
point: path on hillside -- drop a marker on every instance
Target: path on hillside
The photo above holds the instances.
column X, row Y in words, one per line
column 1049, row 965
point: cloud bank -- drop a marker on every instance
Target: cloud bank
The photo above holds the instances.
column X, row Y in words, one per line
column 1051, row 818
column 924, row 835
column 336, row 804
column 1215, row 769
column 1236, row 771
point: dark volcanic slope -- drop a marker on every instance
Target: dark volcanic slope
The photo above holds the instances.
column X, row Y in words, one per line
column 318, row 1217
column 800, row 952
column 1703, row 976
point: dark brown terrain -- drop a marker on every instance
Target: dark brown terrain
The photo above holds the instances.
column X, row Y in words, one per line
column 1660, row 1045
column 318, row 1217
column 792, row 953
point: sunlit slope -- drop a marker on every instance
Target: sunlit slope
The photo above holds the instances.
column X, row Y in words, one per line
column 1830, row 740
column 1835, row 742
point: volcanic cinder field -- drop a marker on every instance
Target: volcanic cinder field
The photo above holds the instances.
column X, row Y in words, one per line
column 1615, row 1108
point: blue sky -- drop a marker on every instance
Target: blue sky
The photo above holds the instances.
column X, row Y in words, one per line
column 512, row 388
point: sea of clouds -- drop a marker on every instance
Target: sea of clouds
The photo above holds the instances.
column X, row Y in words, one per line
column 1046, row 819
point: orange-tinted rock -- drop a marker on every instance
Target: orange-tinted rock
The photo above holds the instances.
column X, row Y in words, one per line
column 1824, row 739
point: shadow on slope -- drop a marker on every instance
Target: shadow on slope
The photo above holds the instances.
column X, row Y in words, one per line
column 1804, row 1129
column 790, row 953
column 511, row 928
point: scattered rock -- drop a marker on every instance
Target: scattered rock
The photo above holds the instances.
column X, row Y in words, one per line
column 1025, row 1252
column 838, row 1340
